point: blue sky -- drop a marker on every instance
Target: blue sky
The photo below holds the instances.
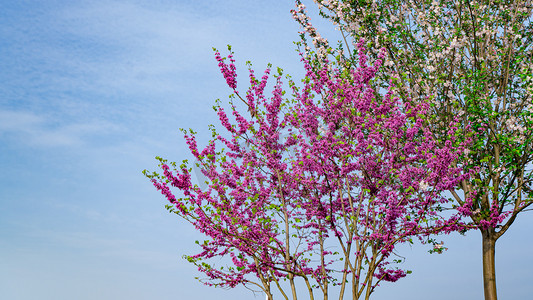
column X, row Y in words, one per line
column 91, row 92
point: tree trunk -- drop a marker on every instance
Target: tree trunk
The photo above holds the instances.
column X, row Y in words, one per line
column 489, row 268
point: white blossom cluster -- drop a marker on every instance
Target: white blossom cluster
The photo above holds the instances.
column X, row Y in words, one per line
column 320, row 43
column 424, row 186
column 451, row 47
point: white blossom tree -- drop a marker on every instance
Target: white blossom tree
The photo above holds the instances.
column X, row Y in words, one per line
column 474, row 59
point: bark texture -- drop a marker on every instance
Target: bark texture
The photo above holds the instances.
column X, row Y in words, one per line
column 489, row 267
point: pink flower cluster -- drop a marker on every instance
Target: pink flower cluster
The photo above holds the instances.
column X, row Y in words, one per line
column 359, row 172
column 228, row 70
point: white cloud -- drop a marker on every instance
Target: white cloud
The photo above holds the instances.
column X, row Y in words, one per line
column 40, row 130
column 127, row 47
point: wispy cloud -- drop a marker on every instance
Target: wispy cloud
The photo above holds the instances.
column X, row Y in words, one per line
column 40, row 130
column 128, row 47
column 86, row 67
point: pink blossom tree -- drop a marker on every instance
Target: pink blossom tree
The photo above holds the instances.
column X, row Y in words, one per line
column 356, row 175
column 473, row 58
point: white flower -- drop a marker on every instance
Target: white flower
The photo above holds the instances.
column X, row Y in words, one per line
column 322, row 129
column 423, row 185
column 450, row 94
column 439, row 247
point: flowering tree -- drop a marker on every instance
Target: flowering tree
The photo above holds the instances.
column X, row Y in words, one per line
column 474, row 59
column 357, row 175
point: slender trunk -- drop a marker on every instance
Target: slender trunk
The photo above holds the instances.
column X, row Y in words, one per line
column 293, row 287
column 489, row 268
column 269, row 296
column 288, row 259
